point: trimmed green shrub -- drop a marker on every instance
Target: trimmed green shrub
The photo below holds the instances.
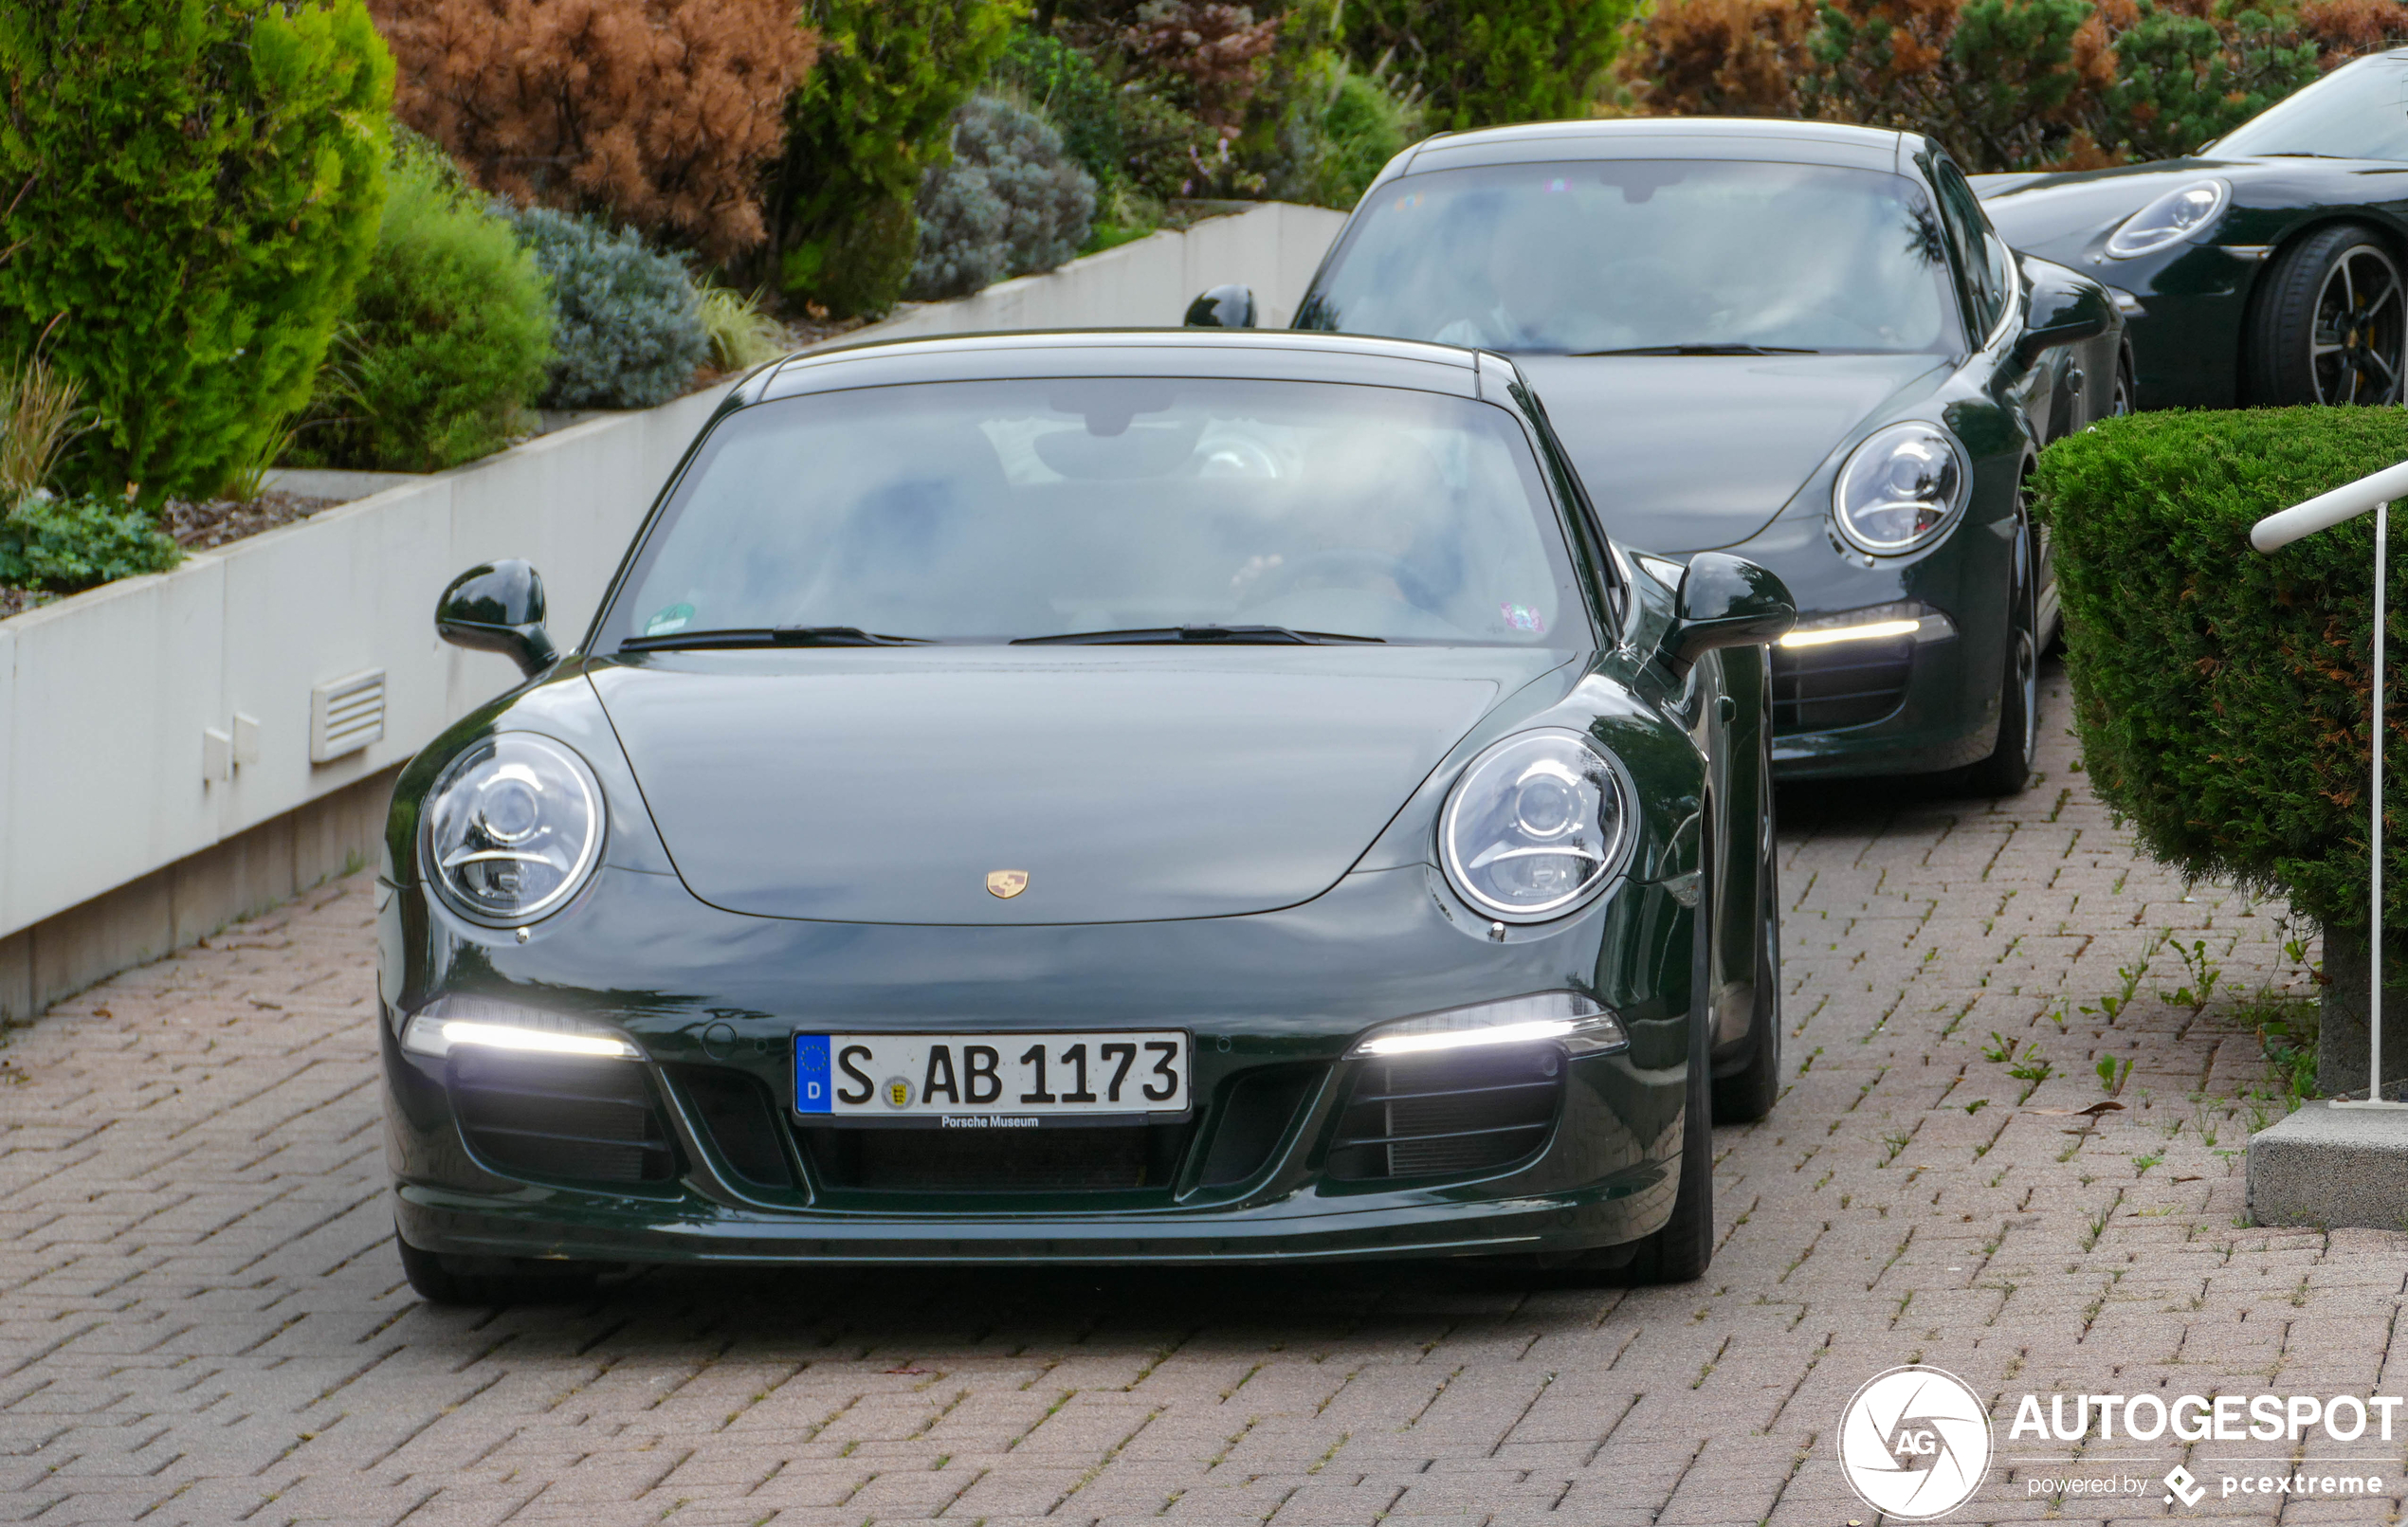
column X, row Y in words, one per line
column 2222, row 694
column 874, row 115
column 195, row 187
column 1010, row 203
column 67, row 545
column 627, row 330
column 1482, row 62
column 448, row 337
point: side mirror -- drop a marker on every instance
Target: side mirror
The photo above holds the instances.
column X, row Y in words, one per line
column 1223, row 307
column 498, row 608
column 2062, row 307
column 1726, row 601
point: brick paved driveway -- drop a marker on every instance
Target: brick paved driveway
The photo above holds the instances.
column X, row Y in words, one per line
column 202, row 1320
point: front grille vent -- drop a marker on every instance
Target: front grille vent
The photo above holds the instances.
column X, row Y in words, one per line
column 589, row 1120
column 1261, row 1104
column 1072, row 1159
column 1448, row 1114
column 737, row 1114
column 1843, row 684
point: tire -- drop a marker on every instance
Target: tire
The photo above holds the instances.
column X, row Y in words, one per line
column 2330, row 322
column 1747, row 1096
column 438, row 1285
column 2008, row 769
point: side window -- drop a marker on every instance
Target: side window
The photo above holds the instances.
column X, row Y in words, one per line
column 1980, row 254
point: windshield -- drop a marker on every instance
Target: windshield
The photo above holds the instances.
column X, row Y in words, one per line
column 2357, row 112
column 1635, row 254
column 1014, row 510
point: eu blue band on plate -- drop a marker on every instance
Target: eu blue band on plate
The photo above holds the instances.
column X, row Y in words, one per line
column 810, row 1074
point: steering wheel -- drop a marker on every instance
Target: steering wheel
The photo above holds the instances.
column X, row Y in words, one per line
column 1358, row 564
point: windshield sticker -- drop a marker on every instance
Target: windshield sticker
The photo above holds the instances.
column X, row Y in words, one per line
column 1523, row 618
column 670, row 620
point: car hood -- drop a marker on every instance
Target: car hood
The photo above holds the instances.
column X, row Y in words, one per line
column 1128, row 784
column 1690, row 453
column 2060, row 216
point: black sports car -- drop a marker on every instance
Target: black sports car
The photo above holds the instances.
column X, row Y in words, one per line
column 1797, row 342
column 1093, row 798
column 2266, row 269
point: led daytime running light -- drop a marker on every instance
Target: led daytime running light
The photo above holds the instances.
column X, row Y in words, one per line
column 1852, row 633
column 434, row 1032
column 1582, row 1026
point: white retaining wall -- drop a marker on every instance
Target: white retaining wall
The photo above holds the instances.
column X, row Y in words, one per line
column 106, row 698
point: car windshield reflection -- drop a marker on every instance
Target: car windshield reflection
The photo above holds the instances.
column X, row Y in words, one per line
column 2353, row 112
column 1646, row 256
column 1106, row 511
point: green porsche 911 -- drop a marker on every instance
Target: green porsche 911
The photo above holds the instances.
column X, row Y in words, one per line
column 1094, row 798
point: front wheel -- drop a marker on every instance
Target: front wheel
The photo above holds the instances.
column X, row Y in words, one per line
column 1748, row 1094
column 2008, row 769
column 2331, row 323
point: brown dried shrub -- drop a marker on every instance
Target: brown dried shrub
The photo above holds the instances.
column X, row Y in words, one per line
column 2342, row 30
column 1720, row 57
column 656, row 113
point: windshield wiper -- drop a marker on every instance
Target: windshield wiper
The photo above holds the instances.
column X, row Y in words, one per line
column 737, row 636
column 1703, row 350
column 1145, row 635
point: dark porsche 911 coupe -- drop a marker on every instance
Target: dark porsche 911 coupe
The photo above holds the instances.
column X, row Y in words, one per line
column 1153, row 797
column 1800, row 343
column 2264, row 269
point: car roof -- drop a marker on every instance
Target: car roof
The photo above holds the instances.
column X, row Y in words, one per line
column 1267, row 354
column 1669, row 138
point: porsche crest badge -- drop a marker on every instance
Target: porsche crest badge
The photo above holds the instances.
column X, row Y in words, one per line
column 1007, row 883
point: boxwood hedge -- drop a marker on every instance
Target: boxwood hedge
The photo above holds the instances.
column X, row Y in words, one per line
column 2222, row 694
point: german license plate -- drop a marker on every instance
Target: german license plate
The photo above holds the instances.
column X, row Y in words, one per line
column 991, row 1080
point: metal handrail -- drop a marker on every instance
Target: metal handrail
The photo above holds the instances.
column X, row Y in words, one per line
column 2374, row 492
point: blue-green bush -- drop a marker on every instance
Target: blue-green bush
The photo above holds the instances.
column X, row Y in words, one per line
column 67, row 545
column 627, row 329
column 1012, row 201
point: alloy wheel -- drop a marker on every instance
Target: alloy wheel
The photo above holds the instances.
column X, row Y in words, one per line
column 2354, row 347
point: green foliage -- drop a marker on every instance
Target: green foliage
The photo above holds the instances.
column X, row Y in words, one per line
column 195, row 187
column 741, row 334
column 1062, row 85
column 627, row 328
column 1362, row 127
column 1992, row 78
column 1010, row 203
column 2222, row 694
column 874, row 115
column 2179, row 80
column 67, row 545
column 1482, row 62
column 449, row 336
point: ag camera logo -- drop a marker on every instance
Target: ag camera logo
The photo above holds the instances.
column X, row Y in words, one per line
column 1915, row 1442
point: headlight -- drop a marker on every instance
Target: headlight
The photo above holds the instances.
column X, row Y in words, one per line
column 2170, row 219
column 512, row 829
column 446, row 1022
column 1901, row 488
column 1536, row 826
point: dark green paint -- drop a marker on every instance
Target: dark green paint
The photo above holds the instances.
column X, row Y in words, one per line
column 1358, row 929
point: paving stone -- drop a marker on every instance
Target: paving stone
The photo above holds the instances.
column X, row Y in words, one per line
column 202, row 1320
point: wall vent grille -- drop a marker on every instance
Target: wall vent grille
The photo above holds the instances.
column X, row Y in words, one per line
column 346, row 715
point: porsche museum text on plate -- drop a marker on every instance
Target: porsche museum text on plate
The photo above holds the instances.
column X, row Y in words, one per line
column 1095, row 798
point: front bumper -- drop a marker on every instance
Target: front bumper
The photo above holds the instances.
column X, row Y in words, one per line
column 1918, row 706
column 713, row 998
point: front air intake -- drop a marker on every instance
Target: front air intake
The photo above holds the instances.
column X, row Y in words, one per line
column 548, row 1115
column 1452, row 1114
